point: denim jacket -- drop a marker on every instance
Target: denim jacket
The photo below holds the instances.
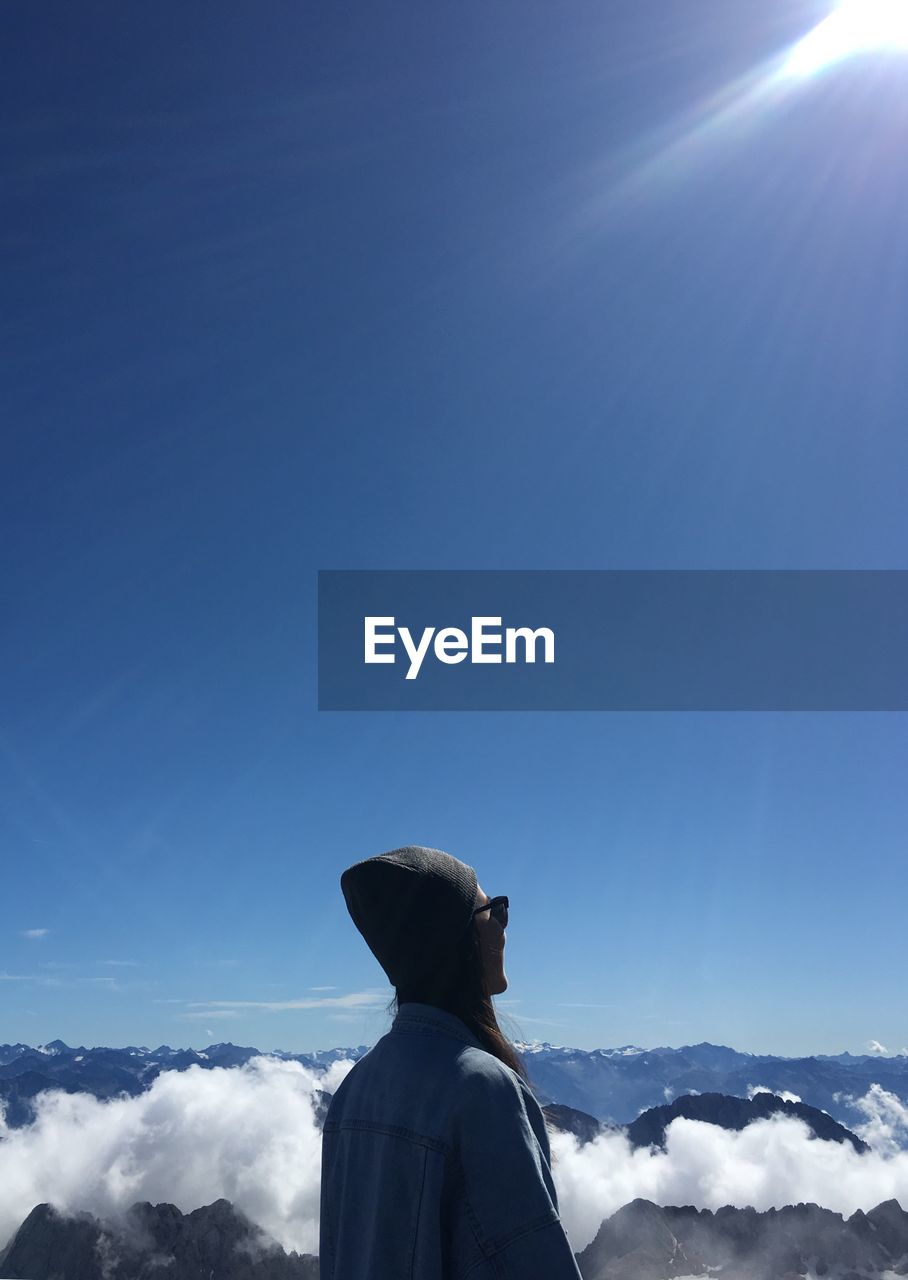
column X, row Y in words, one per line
column 436, row 1164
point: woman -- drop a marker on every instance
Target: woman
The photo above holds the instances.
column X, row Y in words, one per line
column 435, row 1156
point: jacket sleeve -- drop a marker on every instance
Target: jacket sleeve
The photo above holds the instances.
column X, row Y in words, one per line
column 503, row 1153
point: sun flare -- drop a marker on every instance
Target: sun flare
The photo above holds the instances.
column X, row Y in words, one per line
column 855, row 26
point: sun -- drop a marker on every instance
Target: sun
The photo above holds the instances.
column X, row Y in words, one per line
column 855, row 26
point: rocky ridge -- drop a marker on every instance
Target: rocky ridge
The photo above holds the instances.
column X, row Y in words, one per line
column 151, row 1242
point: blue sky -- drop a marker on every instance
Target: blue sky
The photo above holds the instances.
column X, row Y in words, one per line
column 468, row 287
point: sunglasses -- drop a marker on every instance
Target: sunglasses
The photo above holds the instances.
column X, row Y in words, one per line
column 498, row 908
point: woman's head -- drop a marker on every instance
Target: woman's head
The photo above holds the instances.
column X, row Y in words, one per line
column 416, row 908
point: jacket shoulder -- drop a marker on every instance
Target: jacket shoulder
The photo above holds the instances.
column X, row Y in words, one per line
column 481, row 1066
column 487, row 1084
column 478, row 1065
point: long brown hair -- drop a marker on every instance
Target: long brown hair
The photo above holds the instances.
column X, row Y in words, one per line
column 459, row 987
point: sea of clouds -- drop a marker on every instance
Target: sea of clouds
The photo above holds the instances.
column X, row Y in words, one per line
column 770, row 1163
column 249, row 1134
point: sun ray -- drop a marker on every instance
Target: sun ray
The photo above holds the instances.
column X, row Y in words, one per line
column 856, row 26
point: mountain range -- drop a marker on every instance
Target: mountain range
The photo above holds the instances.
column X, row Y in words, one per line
column 612, row 1085
column 615, row 1085
column 150, row 1241
column 641, row 1241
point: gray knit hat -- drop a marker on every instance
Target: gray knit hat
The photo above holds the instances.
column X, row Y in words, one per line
column 412, row 906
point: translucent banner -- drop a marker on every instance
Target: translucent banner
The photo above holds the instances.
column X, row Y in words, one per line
column 613, row 640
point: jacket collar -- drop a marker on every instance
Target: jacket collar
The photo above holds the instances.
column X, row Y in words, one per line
column 428, row 1019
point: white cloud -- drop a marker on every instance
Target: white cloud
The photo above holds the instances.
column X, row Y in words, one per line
column 541, row 1022
column 874, row 1046
column 573, row 1004
column 768, row 1164
column 334, row 1075
column 206, row 1015
column 886, row 1126
column 245, row 1133
column 784, row 1094
column 35, row 933
column 355, row 1000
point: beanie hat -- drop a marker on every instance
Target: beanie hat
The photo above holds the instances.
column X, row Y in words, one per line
column 412, row 906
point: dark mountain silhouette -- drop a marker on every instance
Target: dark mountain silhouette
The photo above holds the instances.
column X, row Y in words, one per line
column 641, row 1241
column 17, row 1096
column 645, row 1242
column 568, row 1120
column 735, row 1113
column 152, row 1241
